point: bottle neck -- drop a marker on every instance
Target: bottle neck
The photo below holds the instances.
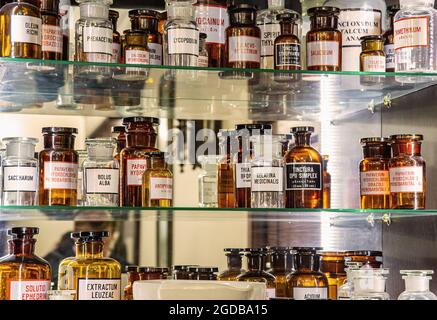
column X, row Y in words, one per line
column 308, row 263
column 114, row 24
column 22, row 246
column 380, row 150
column 20, row 150
column 412, row 148
column 183, row 12
column 234, row 262
column 324, row 22
column 158, row 163
column 90, row 250
column 302, row 139
column 149, row 24
column 59, row 141
column 121, row 142
column 287, row 28
column 279, row 262
column 245, row 18
column 255, row 262
column 136, row 38
column 375, row 45
column 417, row 284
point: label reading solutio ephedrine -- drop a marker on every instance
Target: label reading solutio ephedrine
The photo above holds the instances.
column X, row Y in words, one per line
column 29, row 290
column 23, row 179
column 303, row 176
column 99, row 289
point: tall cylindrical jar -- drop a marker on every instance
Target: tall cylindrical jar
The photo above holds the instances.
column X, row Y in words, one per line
column 225, row 169
column 208, row 181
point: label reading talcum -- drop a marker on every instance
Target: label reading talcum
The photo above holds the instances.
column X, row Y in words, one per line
column 102, row 181
column 323, row 53
column 303, row 176
column 51, row 38
column 243, row 175
column 411, row 32
column 23, row 179
column 406, row 179
column 135, row 170
column 288, row 55
column 161, row 188
column 116, row 49
column 374, row 64
column 244, row 49
column 26, row 29
column 267, row 179
column 389, row 50
column 99, row 289
column 60, row 175
column 269, row 32
column 375, row 183
column 213, row 21
column 310, row 293
column 97, row 40
column 29, row 290
column 183, row 41
column 155, row 53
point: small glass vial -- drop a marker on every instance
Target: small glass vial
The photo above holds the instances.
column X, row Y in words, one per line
column 407, row 172
column 372, row 57
column 20, row 173
column 326, row 184
column 389, row 47
column 157, row 188
column 208, row 182
column 52, row 40
column 119, row 133
column 369, row 284
column 181, row 34
column 225, row 170
column 287, row 44
column 346, row 290
column 21, row 29
column 324, row 40
column 136, row 52
column 101, row 174
column 374, row 173
column 280, row 269
column 417, row 285
column 23, row 275
column 234, row 263
column 303, row 172
column 203, row 273
column 116, row 38
column 58, row 165
column 132, row 276
column 243, row 38
column 203, row 61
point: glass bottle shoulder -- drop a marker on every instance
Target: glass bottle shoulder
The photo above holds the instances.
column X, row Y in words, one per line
column 405, row 161
column 106, row 163
column 289, row 38
column 180, row 23
column 415, row 12
column 303, row 154
column 94, row 22
column 21, row 8
column 158, row 173
column 411, row 295
column 91, row 263
column 17, row 261
column 374, row 164
column 16, row 161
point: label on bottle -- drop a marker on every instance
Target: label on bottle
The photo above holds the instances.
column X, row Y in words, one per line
column 137, row 57
column 26, row 29
column 287, row 54
column 116, row 49
column 355, row 23
column 243, row 175
column 375, row 183
column 102, row 181
column 155, row 53
column 270, row 293
column 98, row 289
column 269, row 32
column 161, row 188
column 29, row 290
column 244, row 49
column 406, row 179
column 267, row 179
column 389, row 50
column 212, row 20
column 135, row 169
column 60, row 175
column 374, row 64
column 183, row 41
column 51, row 38
column 203, row 62
column 303, row 176
column 97, row 40
column 323, row 53
column 23, row 179
column 310, row 293
column 411, row 32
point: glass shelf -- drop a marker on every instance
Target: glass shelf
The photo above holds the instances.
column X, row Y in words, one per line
column 116, row 90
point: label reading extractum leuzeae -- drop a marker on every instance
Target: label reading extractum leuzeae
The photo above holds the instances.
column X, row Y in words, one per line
column 60, row 175
column 97, row 40
column 23, row 179
column 287, row 54
column 135, row 170
column 155, row 53
column 243, row 175
column 99, row 289
column 244, row 49
column 51, row 38
column 374, row 64
column 269, row 32
column 310, row 293
column 102, row 181
column 212, row 20
column 375, row 183
column 267, row 179
column 116, row 49
column 406, row 179
column 26, row 29
column 389, row 50
column 303, row 176
column 183, row 41
column 137, row 57
column 323, row 53
column 411, row 32
column 29, row 290
column 161, row 188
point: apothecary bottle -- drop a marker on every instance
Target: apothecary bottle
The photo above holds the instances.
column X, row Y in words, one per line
column 19, row 172
column 203, row 60
column 346, row 290
column 203, row 273
column 407, row 172
column 372, row 57
column 21, row 29
column 243, row 38
column 208, row 181
column 119, row 133
column 374, row 173
column 153, row 273
column 333, row 266
column 58, row 167
column 181, row 34
column 116, row 38
column 93, row 276
column 324, row 40
column 303, row 172
column 136, row 52
column 369, row 284
column 23, row 275
column 326, row 183
column 280, row 269
column 101, row 174
column 52, row 41
column 141, row 138
column 132, row 276
column 157, row 187
column 225, row 169
column 389, row 47
column 83, row 155
column 287, row 50
column 234, row 265
column 417, row 285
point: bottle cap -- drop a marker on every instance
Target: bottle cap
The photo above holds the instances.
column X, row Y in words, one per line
column 119, row 129
column 59, row 130
column 372, row 38
column 255, row 251
column 307, row 250
column 288, row 16
column 323, row 11
column 50, row 6
column 152, row 270
column 20, row 147
column 302, row 129
column 203, row 269
column 113, row 14
column 95, row 9
column 414, row 137
column 157, row 154
column 140, row 119
column 254, row 127
column 131, row 268
column 234, row 251
column 100, row 147
column 143, row 13
column 90, row 235
column 182, row 267
column 23, row 232
column 417, row 280
column 392, row 9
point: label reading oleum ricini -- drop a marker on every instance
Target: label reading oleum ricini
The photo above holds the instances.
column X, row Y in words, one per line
column 26, row 29
column 244, row 49
column 267, row 179
column 99, row 289
column 102, row 181
column 183, row 41
column 24, row 179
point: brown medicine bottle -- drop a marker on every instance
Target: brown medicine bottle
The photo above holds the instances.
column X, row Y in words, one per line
column 136, row 52
column 132, row 276
column 287, row 45
column 407, row 172
column 116, row 38
column 303, row 172
column 389, row 47
column 225, row 170
column 324, row 40
column 119, row 133
column 58, row 165
column 52, row 38
column 326, row 184
column 372, row 57
column 21, row 29
column 333, row 266
column 234, row 263
column 374, row 173
column 279, row 261
column 157, row 182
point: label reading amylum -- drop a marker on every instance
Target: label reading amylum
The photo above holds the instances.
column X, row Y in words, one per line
column 303, row 176
column 99, row 289
column 29, row 290
column 24, row 179
column 135, row 170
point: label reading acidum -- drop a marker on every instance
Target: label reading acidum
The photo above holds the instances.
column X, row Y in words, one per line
column 310, row 293
column 288, row 55
column 26, row 29
column 161, row 188
column 102, row 181
column 60, row 175
column 99, row 289
column 183, row 41
column 406, row 179
column 303, row 176
column 24, row 179
column 29, row 290
column 323, row 53
column 243, row 175
column 135, row 170
column 269, row 32
column 244, row 49
column 411, row 32
column 267, row 179
column 51, row 38
column 97, row 40
column 212, row 20
column 375, row 183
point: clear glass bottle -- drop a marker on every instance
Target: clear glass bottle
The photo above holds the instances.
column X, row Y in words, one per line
column 101, row 174
column 116, row 38
column 181, row 34
column 369, row 284
column 83, row 155
column 157, row 189
column 417, row 285
column 52, row 43
column 326, row 184
column 208, row 181
column 225, row 169
column 287, row 49
column 132, row 276
column 20, row 173
column 203, row 52
column 64, row 12
column 389, row 47
column 346, row 290
column 234, row 263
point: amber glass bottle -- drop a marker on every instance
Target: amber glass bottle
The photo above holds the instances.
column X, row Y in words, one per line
column 23, row 275
column 303, row 172
column 407, row 172
column 225, row 170
column 119, row 132
column 333, row 266
column 20, row 29
column 279, row 269
column 234, row 257
column 153, row 273
column 58, row 166
column 326, row 184
column 374, row 173
column 132, row 276
column 162, row 20
column 389, row 47
column 157, row 188
column 366, row 257
column 203, row 273
column 136, row 52
column 324, row 40
column 52, row 39
column 287, row 45
column 116, row 38
column 372, row 57
column 141, row 134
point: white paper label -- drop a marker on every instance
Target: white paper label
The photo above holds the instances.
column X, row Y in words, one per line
column 137, row 57
column 243, row 175
column 203, row 62
column 29, row 290
column 161, row 188
column 406, row 179
column 308, row 293
column 374, row 64
column 411, row 32
column 270, row 293
column 389, row 50
column 102, row 181
column 99, row 289
column 267, row 179
column 212, row 20
column 375, row 183
column 51, row 38
column 155, row 53
column 322, row 53
column 183, row 41
column 26, row 29
column 116, row 49
column 97, row 40
column 244, row 48
column 135, row 170
column 24, row 179
column 60, row 175
column 269, row 32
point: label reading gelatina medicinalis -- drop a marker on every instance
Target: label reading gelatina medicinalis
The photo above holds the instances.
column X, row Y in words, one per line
column 375, row 183
column 267, row 179
column 135, row 170
column 29, row 290
column 303, row 176
column 183, row 41
column 99, row 289
column 212, row 20
column 26, row 29
column 406, row 179
column 102, row 181
column 287, row 55
column 244, row 49
column 20, row 179
column 60, row 175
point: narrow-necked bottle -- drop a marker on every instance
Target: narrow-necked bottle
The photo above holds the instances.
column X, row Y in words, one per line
column 234, row 263
column 132, row 276
column 287, row 51
column 116, row 38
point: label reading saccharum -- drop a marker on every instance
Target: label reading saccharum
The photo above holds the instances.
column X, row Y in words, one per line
column 24, row 179
column 99, row 289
